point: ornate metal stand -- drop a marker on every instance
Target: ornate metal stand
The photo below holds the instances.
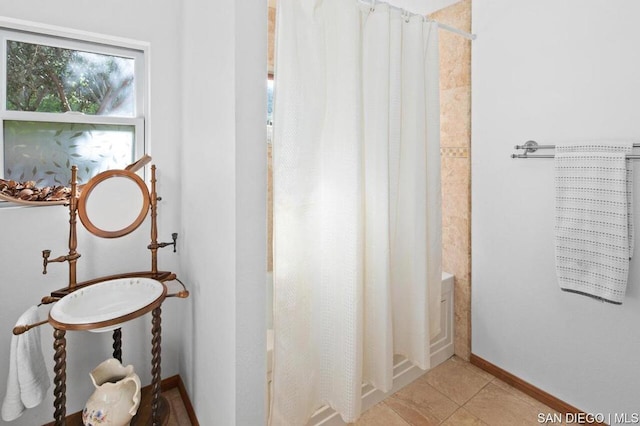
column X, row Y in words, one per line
column 60, row 379
column 117, row 344
column 155, row 365
column 77, row 208
column 60, row 368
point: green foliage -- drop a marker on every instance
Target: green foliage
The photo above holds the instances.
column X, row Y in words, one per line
column 31, row 73
column 51, row 79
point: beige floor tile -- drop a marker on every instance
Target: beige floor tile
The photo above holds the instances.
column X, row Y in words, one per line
column 411, row 414
column 542, row 408
column 178, row 415
column 380, row 415
column 432, row 400
column 498, row 407
column 462, row 417
column 420, row 399
column 473, row 368
column 455, row 380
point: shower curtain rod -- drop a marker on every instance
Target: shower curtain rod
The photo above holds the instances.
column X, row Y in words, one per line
column 373, row 3
column 532, row 146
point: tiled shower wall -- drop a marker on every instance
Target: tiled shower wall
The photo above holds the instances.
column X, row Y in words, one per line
column 455, row 92
column 455, row 140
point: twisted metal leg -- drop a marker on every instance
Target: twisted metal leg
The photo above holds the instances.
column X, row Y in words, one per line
column 155, row 366
column 60, row 379
column 117, row 344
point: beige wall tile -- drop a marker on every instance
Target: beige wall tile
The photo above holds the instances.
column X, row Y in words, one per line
column 455, row 172
column 462, row 321
column 455, row 111
column 455, row 53
column 458, row 51
column 457, row 15
column 271, row 39
column 455, row 127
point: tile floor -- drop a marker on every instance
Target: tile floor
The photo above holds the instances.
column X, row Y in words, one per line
column 456, row 393
column 178, row 415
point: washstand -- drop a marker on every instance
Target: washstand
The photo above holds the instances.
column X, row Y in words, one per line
column 102, row 304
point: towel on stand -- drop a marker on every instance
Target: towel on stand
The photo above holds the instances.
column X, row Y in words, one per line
column 28, row 379
column 594, row 219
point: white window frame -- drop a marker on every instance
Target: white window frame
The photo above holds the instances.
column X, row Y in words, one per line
column 31, row 32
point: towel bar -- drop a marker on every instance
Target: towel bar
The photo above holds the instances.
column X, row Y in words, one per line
column 533, row 146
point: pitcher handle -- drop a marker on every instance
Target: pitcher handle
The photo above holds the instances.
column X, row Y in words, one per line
column 136, row 395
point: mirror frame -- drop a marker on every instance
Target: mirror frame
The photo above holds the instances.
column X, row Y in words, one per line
column 99, row 178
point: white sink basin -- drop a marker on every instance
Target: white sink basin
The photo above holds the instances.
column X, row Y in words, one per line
column 102, row 307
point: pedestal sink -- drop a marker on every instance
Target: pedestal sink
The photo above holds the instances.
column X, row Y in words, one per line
column 104, row 306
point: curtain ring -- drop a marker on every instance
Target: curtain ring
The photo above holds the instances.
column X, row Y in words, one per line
column 373, row 6
column 407, row 16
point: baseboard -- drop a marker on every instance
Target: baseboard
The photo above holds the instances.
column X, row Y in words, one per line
column 187, row 402
column 165, row 385
column 528, row 388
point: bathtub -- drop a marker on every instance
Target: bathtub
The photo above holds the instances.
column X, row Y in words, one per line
column 403, row 371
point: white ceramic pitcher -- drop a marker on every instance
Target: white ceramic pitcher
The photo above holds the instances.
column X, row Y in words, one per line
column 116, row 398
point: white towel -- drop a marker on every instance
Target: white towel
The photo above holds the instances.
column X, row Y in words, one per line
column 28, row 379
column 594, row 228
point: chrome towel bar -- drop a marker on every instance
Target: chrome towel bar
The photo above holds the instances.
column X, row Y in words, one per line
column 533, row 146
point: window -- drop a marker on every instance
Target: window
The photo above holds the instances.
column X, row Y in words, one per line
column 269, row 101
column 269, row 109
column 68, row 102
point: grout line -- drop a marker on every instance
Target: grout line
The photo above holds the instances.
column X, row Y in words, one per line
column 476, row 394
column 422, row 382
column 483, row 423
column 465, row 365
column 451, row 415
column 396, row 413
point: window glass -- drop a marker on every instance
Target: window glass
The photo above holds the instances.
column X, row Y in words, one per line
column 51, row 79
column 269, row 101
column 68, row 102
column 45, row 152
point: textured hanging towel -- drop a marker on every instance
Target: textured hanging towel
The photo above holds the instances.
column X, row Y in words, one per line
column 594, row 223
column 28, row 379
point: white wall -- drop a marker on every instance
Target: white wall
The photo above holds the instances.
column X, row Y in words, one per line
column 224, row 190
column 553, row 72
column 207, row 133
column 26, row 231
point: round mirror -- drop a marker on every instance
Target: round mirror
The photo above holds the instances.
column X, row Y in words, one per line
column 113, row 203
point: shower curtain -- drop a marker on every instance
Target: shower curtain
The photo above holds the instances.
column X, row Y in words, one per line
column 357, row 202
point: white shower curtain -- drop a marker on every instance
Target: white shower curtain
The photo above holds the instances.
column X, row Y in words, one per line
column 357, row 205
